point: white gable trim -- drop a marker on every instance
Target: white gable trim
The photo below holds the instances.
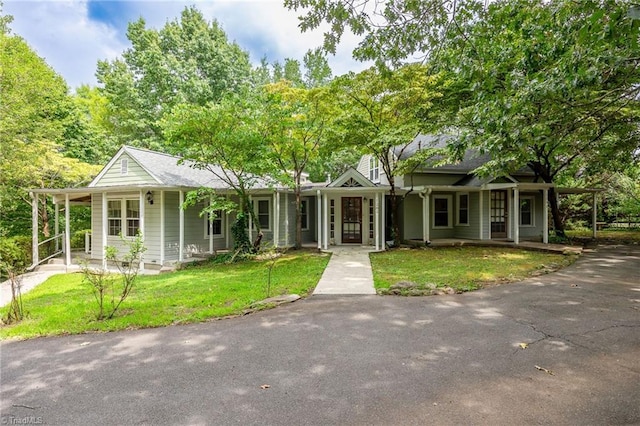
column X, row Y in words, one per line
column 351, row 173
column 114, row 160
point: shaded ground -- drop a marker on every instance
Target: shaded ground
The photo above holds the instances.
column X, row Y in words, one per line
column 361, row 360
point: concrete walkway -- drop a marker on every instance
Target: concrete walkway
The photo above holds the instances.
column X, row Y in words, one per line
column 348, row 272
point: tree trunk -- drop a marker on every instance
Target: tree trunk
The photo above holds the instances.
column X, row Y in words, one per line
column 558, row 223
column 44, row 217
column 395, row 226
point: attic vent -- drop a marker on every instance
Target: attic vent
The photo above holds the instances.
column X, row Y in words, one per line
column 124, row 166
column 351, row 183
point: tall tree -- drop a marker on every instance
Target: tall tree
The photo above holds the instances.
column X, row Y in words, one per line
column 225, row 139
column 551, row 85
column 295, row 123
column 382, row 113
column 392, row 31
column 36, row 113
column 189, row 61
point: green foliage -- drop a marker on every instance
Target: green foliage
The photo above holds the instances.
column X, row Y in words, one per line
column 110, row 290
column 549, row 85
column 241, row 242
column 391, row 31
column 13, row 262
column 189, row 61
column 381, row 113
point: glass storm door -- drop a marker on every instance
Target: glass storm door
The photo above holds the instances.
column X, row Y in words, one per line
column 351, row 220
column 499, row 214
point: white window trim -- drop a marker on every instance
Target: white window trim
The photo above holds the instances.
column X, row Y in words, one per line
column 206, row 225
column 256, row 201
column 110, row 218
column 533, row 209
column 449, row 199
column 374, row 169
column 458, row 195
column 306, row 202
column 124, row 225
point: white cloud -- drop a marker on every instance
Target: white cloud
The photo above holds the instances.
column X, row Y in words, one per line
column 62, row 33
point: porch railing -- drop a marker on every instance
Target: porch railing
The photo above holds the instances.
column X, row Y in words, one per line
column 55, row 247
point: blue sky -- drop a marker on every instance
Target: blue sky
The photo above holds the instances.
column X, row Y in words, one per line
column 72, row 35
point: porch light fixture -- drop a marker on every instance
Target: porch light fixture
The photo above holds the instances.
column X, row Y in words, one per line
column 149, row 197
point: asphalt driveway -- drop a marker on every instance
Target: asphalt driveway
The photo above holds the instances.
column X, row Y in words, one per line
column 360, row 360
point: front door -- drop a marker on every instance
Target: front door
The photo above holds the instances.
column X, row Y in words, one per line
column 499, row 214
column 351, row 220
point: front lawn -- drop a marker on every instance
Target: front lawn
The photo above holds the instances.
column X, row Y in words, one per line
column 608, row 235
column 459, row 268
column 65, row 305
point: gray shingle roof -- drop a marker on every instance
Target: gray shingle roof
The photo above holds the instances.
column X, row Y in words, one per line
column 471, row 161
column 169, row 171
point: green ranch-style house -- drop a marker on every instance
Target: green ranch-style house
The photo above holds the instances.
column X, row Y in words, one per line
column 142, row 190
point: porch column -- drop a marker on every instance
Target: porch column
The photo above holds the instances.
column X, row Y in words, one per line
column 286, row 219
column 181, row 228
column 376, row 216
column 210, row 226
column 162, row 235
column 276, row 222
column 250, row 220
column 594, row 214
column 326, row 228
column 383, row 220
column 34, row 228
column 545, row 216
column 427, row 206
column 516, row 216
column 143, row 230
column 481, row 214
column 67, row 231
column 509, row 211
column 319, row 219
column 105, row 228
column 56, row 226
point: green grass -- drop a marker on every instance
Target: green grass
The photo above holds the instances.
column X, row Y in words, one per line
column 622, row 235
column 461, row 268
column 65, row 305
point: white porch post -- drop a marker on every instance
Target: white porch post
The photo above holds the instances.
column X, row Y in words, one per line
column 326, row 228
column 286, row 219
column 594, row 214
column 56, row 226
column 427, row 206
column 162, row 235
column 516, row 216
column 383, row 220
column 509, row 211
column 105, row 228
column 481, row 214
column 34, row 228
column 210, row 226
column 143, row 230
column 545, row 216
column 181, row 230
column 250, row 219
column 377, row 219
column 319, row 219
column 67, row 231
column 276, row 222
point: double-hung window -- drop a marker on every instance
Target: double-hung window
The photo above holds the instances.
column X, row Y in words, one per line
column 263, row 212
column 304, row 214
column 442, row 211
column 213, row 224
column 526, row 211
column 374, row 169
column 463, row 209
column 125, row 212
